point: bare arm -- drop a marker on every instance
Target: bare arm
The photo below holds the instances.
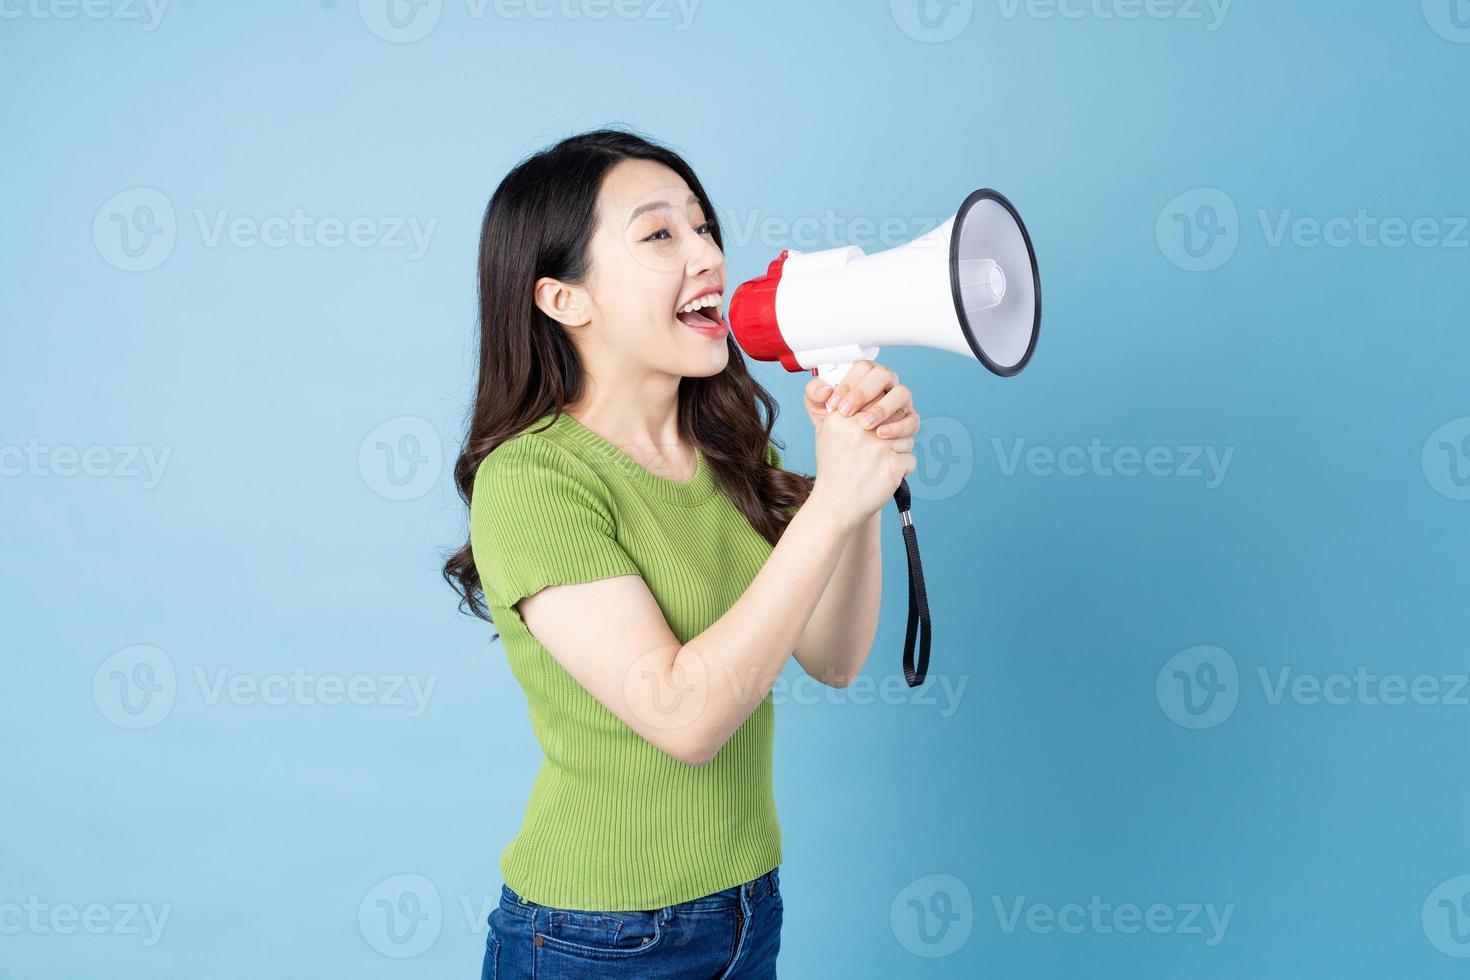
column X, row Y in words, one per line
column 611, row 636
column 836, row 642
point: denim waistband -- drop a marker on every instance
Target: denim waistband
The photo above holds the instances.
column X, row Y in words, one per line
column 758, row 888
column 762, row 887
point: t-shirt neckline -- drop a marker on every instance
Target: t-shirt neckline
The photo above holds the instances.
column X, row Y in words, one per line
column 693, row 490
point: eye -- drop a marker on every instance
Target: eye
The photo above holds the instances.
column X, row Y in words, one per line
column 662, row 234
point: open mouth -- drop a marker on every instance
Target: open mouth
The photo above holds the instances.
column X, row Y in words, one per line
column 703, row 313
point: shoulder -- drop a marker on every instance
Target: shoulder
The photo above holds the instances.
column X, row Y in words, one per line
column 528, row 453
column 531, row 467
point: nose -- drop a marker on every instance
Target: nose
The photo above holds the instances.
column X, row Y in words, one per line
column 704, row 256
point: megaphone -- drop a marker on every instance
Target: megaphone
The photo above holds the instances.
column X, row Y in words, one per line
column 970, row 286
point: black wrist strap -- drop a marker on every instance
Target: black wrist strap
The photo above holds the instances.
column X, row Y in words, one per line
column 918, row 598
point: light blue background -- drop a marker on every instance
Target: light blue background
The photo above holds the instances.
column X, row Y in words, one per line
column 1336, row 539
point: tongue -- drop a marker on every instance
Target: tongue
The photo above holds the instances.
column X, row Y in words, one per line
column 699, row 318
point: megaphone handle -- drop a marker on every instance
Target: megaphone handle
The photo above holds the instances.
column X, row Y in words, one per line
column 832, row 373
column 918, row 597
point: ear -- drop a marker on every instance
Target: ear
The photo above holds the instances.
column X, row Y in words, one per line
column 564, row 303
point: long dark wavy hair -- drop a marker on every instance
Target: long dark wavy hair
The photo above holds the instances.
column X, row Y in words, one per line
column 540, row 222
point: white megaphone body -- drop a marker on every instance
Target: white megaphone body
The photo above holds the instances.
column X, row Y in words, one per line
column 970, row 286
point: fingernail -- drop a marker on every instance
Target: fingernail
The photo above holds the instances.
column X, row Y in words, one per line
column 848, row 405
column 866, row 420
column 830, row 401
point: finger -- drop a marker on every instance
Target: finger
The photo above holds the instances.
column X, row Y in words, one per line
column 897, row 398
column 903, row 445
column 817, row 392
column 873, row 383
column 906, row 425
column 855, row 374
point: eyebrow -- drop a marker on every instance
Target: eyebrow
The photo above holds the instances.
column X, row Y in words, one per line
column 657, row 206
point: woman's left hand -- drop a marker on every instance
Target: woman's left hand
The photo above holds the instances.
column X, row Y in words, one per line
column 872, row 392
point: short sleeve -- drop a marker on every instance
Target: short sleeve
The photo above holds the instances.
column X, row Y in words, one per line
column 539, row 517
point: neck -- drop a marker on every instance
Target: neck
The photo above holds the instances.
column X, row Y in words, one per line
column 634, row 414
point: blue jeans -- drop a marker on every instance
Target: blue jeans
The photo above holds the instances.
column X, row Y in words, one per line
column 732, row 935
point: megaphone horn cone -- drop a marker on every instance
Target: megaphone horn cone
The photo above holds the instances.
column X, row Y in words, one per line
column 1000, row 325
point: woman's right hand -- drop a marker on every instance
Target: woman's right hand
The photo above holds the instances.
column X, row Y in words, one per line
column 857, row 470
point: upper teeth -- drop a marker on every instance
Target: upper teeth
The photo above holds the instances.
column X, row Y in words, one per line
column 713, row 299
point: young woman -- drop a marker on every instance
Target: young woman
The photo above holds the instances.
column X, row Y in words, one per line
column 650, row 566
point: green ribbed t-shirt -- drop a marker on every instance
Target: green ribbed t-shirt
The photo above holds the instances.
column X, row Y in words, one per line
column 614, row 823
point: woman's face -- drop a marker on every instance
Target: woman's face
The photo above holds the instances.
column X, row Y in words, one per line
column 652, row 254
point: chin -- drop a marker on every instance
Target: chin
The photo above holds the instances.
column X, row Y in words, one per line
column 715, row 365
column 712, row 363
